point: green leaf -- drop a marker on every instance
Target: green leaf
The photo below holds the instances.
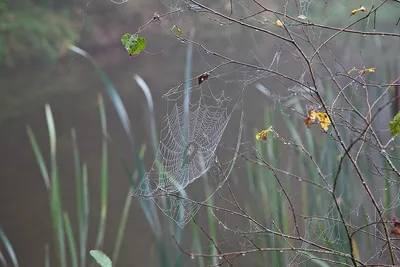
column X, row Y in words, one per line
column 394, row 125
column 101, row 258
column 133, row 43
column 176, row 30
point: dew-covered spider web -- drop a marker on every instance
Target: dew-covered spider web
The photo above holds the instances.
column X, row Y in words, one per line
column 189, row 139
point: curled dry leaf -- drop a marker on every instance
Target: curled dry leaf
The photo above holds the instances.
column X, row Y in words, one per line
column 203, row 77
column 395, row 226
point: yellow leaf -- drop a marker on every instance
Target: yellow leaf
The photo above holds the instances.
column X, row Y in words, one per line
column 350, row 71
column 367, row 70
column 312, row 114
column 322, row 117
column 279, row 23
column 324, row 126
column 324, row 120
column 353, row 12
column 361, row 8
column 263, row 134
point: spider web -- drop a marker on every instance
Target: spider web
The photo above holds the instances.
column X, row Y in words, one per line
column 187, row 152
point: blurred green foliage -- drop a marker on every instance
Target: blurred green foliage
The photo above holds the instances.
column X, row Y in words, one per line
column 31, row 34
column 3, row 5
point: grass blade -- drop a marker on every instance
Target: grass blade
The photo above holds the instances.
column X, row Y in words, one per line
column 85, row 213
column 212, row 225
column 71, row 240
column 356, row 252
column 188, row 74
column 79, row 200
column 148, row 208
column 142, row 84
column 39, row 158
column 9, row 249
column 56, row 207
column 46, row 256
column 122, row 226
column 112, row 92
column 196, row 243
column 104, row 177
column 3, row 259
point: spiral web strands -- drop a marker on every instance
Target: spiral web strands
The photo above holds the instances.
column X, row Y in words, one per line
column 187, row 152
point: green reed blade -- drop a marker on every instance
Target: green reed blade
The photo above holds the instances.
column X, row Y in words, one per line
column 150, row 105
column 39, row 157
column 46, row 256
column 196, row 244
column 85, row 212
column 79, row 200
column 122, row 226
column 71, row 240
column 111, row 91
column 212, row 225
column 9, row 249
column 56, row 206
column 104, row 177
column 3, row 260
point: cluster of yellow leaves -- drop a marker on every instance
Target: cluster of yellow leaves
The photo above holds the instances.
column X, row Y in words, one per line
column 314, row 116
column 361, row 8
column 263, row 134
column 322, row 118
column 361, row 72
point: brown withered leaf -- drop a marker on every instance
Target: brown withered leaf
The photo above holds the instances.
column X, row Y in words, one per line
column 203, row 77
column 395, row 226
column 308, row 121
